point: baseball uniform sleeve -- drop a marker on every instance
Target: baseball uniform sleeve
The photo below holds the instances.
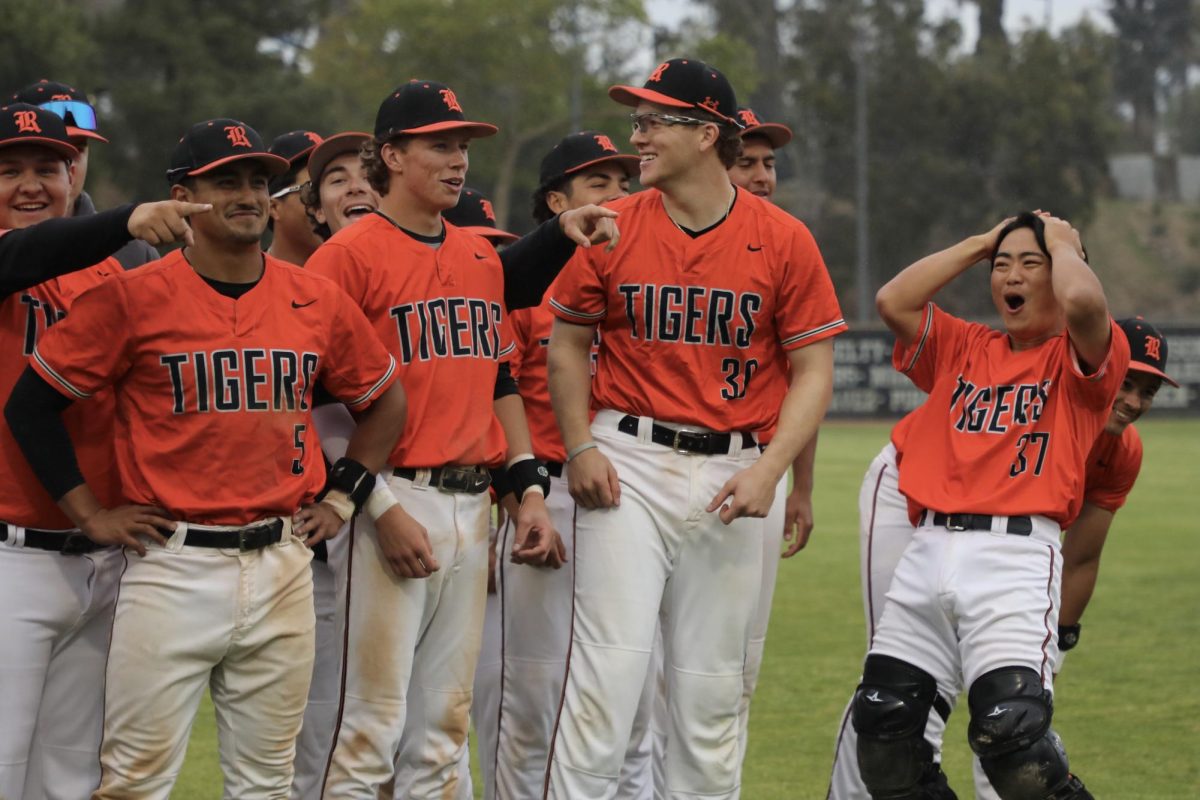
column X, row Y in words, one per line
column 335, row 261
column 518, row 324
column 1109, row 486
column 807, row 309
column 29, row 256
column 508, row 346
column 1096, row 390
column 89, row 349
column 940, row 342
column 579, row 294
column 357, row 368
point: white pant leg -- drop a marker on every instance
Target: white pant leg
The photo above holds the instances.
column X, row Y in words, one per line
column 54, row 628
column 187, row 617
column 536, row 619
column 320, row 715
column 659, row 719
column 485, row 702
column 387, row 671
column 772, row 544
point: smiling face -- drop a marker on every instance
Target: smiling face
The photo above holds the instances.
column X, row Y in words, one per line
column 1134, row 398
column 1022, row 292
column 35, row 185
column 240, row 201
column 754, row 170
column 667, row 150
column 430, row 169
column 596, row 184
column 345, row 193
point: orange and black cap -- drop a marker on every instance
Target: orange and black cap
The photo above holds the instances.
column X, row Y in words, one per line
column 22, row 123
column 578, row 151
column 420, row 107
column 295, row 146
column 684, row 83
column 65, row 101
column 331, row 148
column 474, row 213
column 776, row 134
column 1147, row 348
column 208, row 145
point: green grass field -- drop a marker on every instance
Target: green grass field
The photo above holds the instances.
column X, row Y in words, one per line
column 1126, row 702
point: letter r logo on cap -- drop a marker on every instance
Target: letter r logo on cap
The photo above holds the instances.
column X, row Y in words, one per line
column 26, row 121
column 237, row 136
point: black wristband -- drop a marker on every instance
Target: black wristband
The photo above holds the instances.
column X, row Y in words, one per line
column 526, row 473
column 1068, row 636
column 351, row 477
column 500, row 482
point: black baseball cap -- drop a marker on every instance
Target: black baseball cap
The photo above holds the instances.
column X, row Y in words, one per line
column 425, row 107
column 1147, row 348
column 22, row 123
column 775, row 133
column 474, row 213
column 683, row 83
column 331, row 148
column 294, row 145
column 208, row 145
column 65, row 101
column 579, row 151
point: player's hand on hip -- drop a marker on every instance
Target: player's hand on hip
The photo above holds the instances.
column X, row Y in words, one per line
column 749, row 493
column 316, row 523
column 405, row 544
column 165, row 222
column 124, row 525
column 589, row 225
column 592, row 480
column 535, row 540
column 797, row 521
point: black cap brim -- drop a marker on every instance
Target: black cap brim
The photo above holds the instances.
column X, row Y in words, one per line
column 632, row 95
column 476, row 130
column 85, row 134
column 629, row 162
column 1152, row 370
column 276, row 165
column 64, row 149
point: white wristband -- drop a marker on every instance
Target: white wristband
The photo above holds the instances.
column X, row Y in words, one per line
column 341, row 503
column 380, row 500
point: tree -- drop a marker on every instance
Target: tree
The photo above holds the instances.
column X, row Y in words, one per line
column 1153, row 52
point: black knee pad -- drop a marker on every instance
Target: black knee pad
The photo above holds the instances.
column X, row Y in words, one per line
column 1010, row 732
column 889, row 713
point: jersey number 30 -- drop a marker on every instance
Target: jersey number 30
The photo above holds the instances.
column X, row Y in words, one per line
column 737, row 377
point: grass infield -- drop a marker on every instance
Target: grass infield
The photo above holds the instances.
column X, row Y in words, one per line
column 1126, row 704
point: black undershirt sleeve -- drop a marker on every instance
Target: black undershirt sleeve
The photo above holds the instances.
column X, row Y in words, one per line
column 506, row 384
column 34, row 414
column 532, row 263
column 29, row 256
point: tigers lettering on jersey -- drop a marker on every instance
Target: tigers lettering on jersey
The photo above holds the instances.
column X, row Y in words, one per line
column 994, row 409
column 691, row 314
column 448, row 327
column 39, row 316
column 251, row 379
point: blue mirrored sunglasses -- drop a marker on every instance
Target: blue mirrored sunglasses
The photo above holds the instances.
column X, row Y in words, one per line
column 81, row 114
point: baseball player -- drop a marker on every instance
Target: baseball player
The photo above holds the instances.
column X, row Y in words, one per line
column 1112, row 468
column 292, row 237
column 82, row 129
column 708, row 289
column 581, row 169
column 58, row 587
column 212, row 354
column 992, row 469
column 335, row 193
column 414, row 593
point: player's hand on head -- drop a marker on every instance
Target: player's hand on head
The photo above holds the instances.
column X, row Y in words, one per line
column 797, row 521
column 536, row 541
column 749, row 493
column 1060, row 232
column 589, row 225
column 405, row 544
column 316, row 523
column 125, row 525
column 592, row 480
column 992, row 238
column 165, row 222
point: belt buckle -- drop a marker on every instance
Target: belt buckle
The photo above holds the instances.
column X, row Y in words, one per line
column 955, row 522
column 442, row 483
column 76, row 544
column 246, row 541
column 677, row 441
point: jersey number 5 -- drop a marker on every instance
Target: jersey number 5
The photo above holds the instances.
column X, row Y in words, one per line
column 737, row 377
column 1040, row 441
column 298, row 440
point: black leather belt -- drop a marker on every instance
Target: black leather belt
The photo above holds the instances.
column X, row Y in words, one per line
column 1017, row 526
column 457, row 480
column 69, row 543
column 683, row 441
column 253, row 537
column 554, row 468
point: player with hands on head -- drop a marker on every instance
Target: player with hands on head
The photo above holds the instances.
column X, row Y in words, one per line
column 226, row 346
column 669, row 478
column 974, row 599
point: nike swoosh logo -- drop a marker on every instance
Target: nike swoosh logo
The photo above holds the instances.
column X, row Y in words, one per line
column 481, row 258
column 302, row 305
column 754, row 249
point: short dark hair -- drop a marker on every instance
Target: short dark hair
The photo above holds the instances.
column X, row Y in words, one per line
column 378, row 174
column 1024, row 219
column 310, row 196
column 729, row 140
column 541, row 208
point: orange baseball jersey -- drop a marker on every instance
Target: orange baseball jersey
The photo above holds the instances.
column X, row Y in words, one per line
column 1003, row 432
column 440, row 311
column 24, row 318
column 214, row 395
column 1112, row 468
column 692, row 329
